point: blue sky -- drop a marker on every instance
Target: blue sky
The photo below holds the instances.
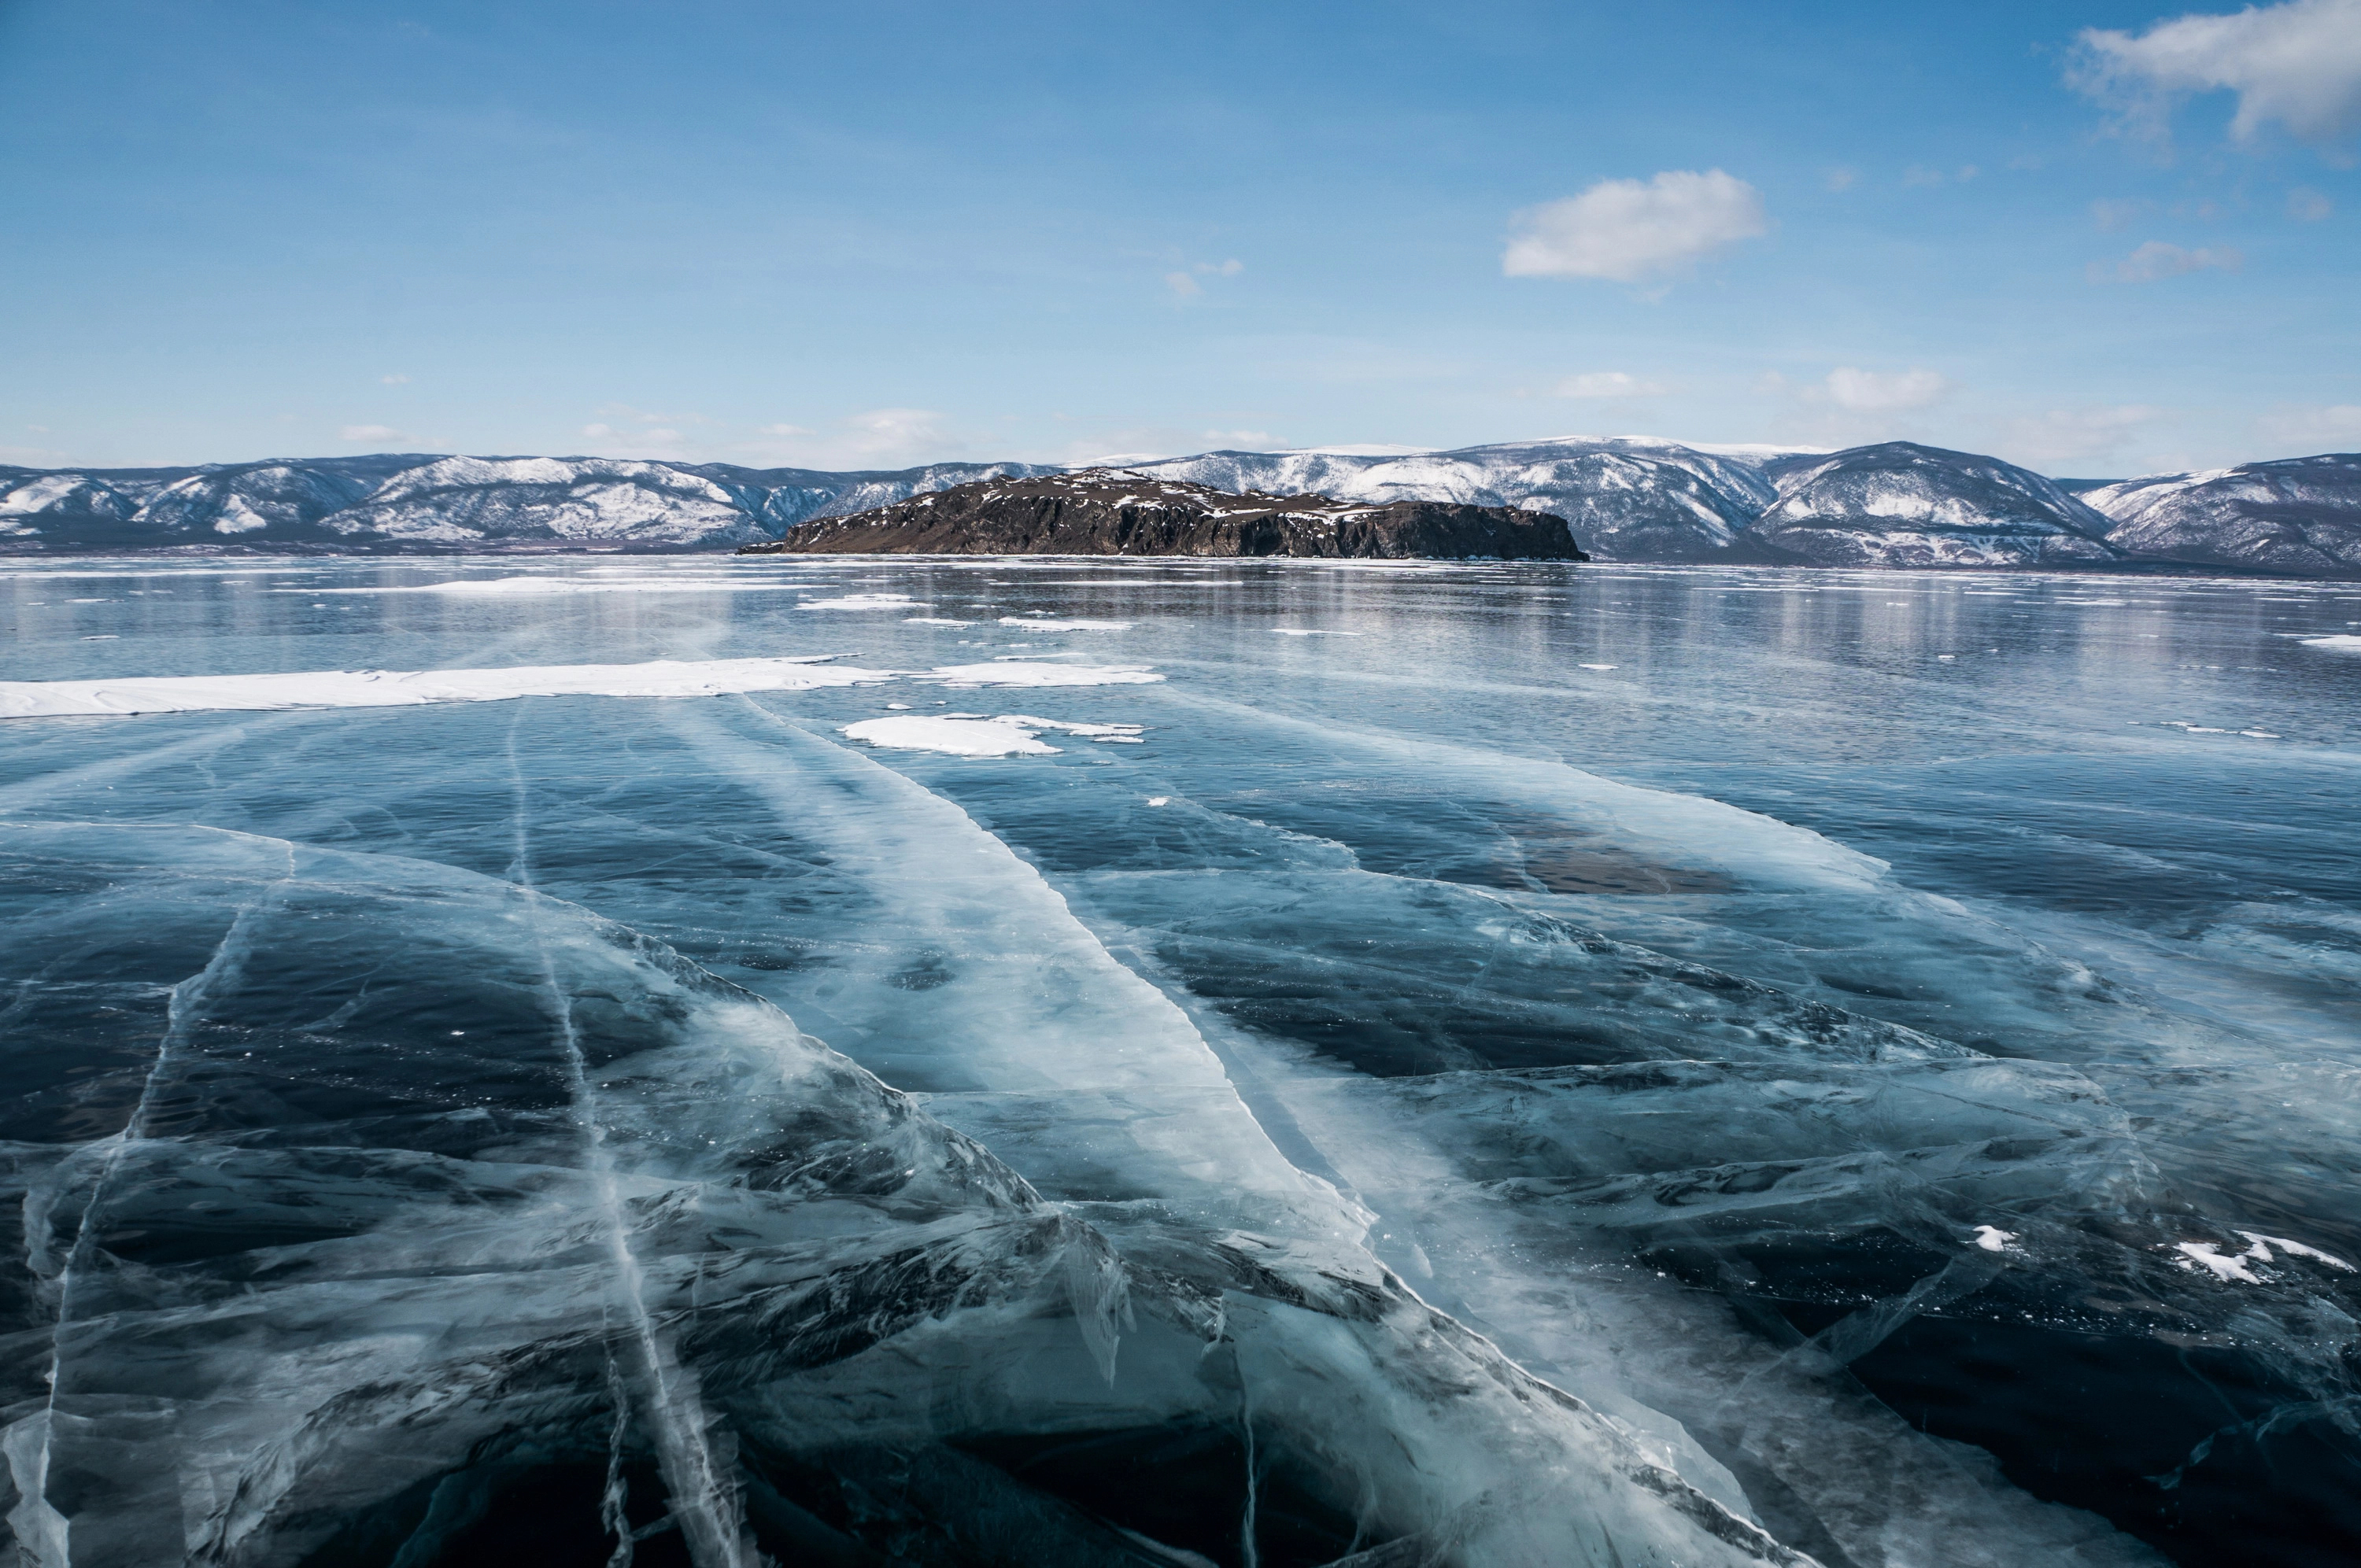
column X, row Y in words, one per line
column 2098, row 238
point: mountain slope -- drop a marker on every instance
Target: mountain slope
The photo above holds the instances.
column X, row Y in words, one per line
column 1901, row 504
column 2299, row 515
column 1625, row 498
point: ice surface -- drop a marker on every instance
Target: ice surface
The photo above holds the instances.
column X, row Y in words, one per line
column 2342, row 642
column 400, row 688
column 1444, row 1110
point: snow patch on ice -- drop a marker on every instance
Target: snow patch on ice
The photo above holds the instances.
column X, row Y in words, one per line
column 1992, row 1238
column 406, row 688
column 1023, row 672
column 2342, row 642
column 973, row 734
column 536, row 587
column 1039, row 625
column 864, row 601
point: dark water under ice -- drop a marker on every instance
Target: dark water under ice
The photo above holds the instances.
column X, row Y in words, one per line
column 1506, row 1065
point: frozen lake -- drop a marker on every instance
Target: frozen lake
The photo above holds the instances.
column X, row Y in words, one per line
column 1386, row 1064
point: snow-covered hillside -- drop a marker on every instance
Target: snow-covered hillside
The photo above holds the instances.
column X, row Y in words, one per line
column 1624, row 499
column 1900, row 504
column 2300, row 514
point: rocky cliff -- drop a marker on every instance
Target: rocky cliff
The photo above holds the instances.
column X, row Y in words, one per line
column 1111, row 511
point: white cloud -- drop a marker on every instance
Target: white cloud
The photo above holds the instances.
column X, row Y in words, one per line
column 2297, row 63
column 1872, row 391
column 2068, row 435
column 394, row 381
column 1183, row 285
column 1841, row 178
column 2157, row 259
column 369, row 433
column 1607, row 384
column 2309, row 428
column 2306, row 205
column 1229, row 268
column 1627, row 229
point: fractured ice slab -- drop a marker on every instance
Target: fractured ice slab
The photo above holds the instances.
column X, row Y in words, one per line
column 406, row 688
column 404, row 1188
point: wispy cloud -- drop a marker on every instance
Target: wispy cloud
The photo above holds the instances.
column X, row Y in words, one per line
column 1628, row 229
column 2159, row 259
column 397, row 379
column 2306, row 205
column 1872, row 391
column 369, row 433
column 1186, row 283
column 2307, row 428
column 878, row 438
column 2092, row 433
column 2297, row 63
column 2108, row 213
column 1607, row 384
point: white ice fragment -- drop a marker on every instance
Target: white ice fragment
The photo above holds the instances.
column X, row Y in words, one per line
column 2262, row 1245
column 958, row 737
column 2261, row 734
column 1070, row 727
column 2342, row 642
column 864, row 601
column 406, row 688
column 2225, row 1267
column 1039, row 625
column 897, row 705
column 934, row 621
column 1594, row 667
column 1024, row 674
column 1159, row 800
column 1992, row 1238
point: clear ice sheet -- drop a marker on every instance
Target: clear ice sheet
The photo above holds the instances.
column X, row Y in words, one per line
column 1785, row 1095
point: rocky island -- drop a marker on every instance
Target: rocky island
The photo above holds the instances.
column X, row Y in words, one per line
column 1114, row 512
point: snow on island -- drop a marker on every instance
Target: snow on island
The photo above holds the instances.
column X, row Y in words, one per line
column 1114, row 511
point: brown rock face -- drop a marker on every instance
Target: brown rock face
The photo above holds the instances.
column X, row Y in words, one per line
column 1110, row 511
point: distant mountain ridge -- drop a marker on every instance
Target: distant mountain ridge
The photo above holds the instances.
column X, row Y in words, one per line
column 1623, row 497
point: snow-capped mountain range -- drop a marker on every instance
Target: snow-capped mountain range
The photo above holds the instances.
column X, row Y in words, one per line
column 1626, row 499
